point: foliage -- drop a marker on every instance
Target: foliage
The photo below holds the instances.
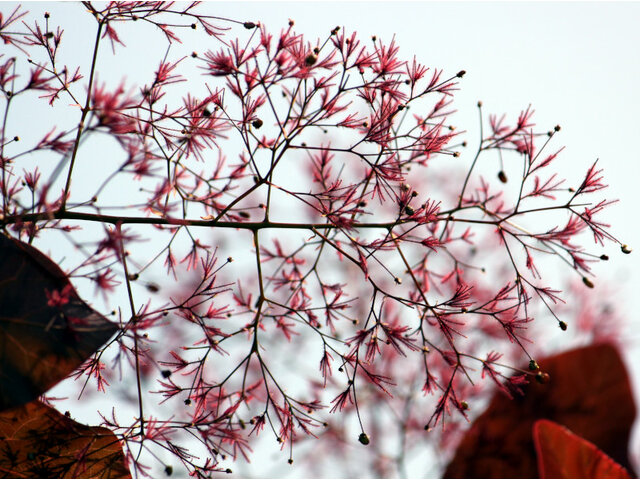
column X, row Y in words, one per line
column 583, row 385
column 38, row 442
column 374, row 264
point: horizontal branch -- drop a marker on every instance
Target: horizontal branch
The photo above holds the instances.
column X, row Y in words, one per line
column 115, row 219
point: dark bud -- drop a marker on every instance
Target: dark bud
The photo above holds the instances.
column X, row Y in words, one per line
column 17, row 139
column 206, row 113
column 310, row 59
column 168, row 470
column 257, row 123
column 461, row 73
column 533, row 365
column 153, row 288
column 67, row 414
column 133, row 277
column 166, row 373
column 502, row 176
column 625, row 249
column 464, row 405
column 229, row 259
column 409, row 210
column 604, row 257
column 194, row 55
column 557, row 128
column 249, row 25
column 290, row 461
column 291, row 23
column 193, row 26
column 187, row 401
column 228, row 470
column 587, row 282
column 244, row 214
column 562, row 325
column 363, row 439
column 46, row 15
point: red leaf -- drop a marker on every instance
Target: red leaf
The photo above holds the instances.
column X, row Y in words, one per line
column 36, row 441
column 46, row 330
column 588, row 391
column 563, row 454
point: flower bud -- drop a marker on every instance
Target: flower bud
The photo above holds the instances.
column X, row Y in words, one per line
column 363, row 439
column 587, row 282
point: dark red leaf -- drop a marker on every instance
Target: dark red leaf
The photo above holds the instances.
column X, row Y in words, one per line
column 36, row 441
column 563, row 454
column 46, row 330
column 588, row 391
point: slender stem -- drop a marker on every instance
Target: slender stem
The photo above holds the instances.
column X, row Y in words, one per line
column 134, row 319
column 83, row 117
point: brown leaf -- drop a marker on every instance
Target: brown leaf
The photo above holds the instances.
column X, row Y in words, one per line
column 36, row 441
column 588, row 392
column 46, row 330
column 563, row 454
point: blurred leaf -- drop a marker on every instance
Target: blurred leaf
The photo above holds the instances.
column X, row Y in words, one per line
column 40, row 342
column 36, row 441
column 563, row 454
column 588, row 391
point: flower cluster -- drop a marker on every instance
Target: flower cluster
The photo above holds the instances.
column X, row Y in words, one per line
column 374, row 264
